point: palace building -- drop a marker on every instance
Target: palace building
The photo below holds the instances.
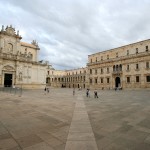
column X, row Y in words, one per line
column 19, row 63
column 69, row 78
column 126, row 67
column 123, row 67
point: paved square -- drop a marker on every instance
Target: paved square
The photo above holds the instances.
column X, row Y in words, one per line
column 117, row 120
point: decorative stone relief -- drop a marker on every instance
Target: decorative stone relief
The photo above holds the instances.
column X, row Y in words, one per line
column 1, row 50
column 10, row 30
column 8, row 68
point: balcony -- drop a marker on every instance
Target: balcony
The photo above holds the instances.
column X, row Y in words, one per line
column 117, row 72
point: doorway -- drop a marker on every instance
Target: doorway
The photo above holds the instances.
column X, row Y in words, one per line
column 8, row 80
column 117, row 82
column 78, row 85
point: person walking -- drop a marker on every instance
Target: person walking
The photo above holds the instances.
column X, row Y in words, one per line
column 73, row 91
column 95, row 94
column 87, row 93
column 45, row 90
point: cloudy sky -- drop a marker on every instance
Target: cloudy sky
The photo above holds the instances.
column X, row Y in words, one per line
column 69, row 30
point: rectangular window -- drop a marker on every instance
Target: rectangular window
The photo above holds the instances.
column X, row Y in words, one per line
column 91, row 60
column 127, row 52
column 146, row 48
column 137, row 66
column 107, row 56
column 95, row 71
column 147, row 65
column 128, row 68
column 137, row 51
column 107, row 80
column 101, row 57
column 107, row 70
column 90, row 81
column 101, row 71
column 147, row 78
column 137, row 79
column 116, row 55
column 90, row 71
column 84, row 78
column 101, row 80
column 96, row 59
column 128, row 79
column 96, row 80
column 48, row 72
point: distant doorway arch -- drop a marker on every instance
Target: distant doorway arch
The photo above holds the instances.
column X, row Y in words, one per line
column 117, row 82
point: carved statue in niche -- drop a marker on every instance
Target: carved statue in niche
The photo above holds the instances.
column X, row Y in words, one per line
column 9, row 48
column 30, row 55
column 25, row 53
column 20, row 76
column 17, row 52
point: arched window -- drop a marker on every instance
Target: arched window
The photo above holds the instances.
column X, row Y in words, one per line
column 117, row 67
column 120, row 67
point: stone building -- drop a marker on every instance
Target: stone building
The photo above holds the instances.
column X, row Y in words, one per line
column 19, row 63
column 123, row 67
column 69, row 78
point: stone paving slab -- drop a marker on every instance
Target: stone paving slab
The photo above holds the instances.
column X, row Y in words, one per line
column 80, row 145
column 117, row 120
column 80, row 136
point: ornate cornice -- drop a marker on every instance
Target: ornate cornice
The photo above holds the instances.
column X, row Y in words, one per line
column 10, row 31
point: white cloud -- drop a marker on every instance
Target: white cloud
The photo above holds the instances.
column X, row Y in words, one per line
column 68, row 31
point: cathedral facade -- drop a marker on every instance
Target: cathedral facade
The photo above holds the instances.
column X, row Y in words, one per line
column 19, row 63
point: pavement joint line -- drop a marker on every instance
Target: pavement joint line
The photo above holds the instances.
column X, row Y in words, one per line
column 76, row 140
column 11, row 135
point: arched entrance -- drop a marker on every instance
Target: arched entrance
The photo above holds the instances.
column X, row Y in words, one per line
column 117, row 82
column 8, row 76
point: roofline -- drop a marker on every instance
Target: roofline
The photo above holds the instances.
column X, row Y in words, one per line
column 119, row 47
column 28, row 45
